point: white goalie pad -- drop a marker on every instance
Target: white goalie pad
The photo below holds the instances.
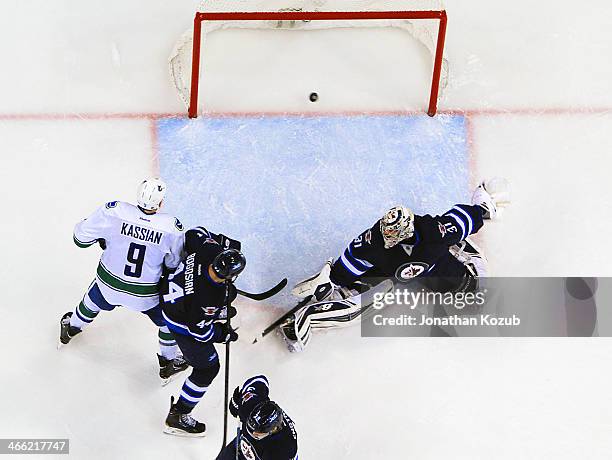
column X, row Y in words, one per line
column 330, row 314
column 311, row 286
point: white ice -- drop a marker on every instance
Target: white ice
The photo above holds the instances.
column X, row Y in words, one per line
column 78, row 83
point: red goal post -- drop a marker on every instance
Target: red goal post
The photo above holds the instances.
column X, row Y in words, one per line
column 201, row 17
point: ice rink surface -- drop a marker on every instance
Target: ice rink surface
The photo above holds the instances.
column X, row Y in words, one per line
column 87, row 111
column 281, row 184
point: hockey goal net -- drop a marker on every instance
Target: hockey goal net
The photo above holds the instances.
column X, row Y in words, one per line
column 425, row 20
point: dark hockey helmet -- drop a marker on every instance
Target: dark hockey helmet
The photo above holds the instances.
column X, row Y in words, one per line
column 228, row 264
column 265, row 419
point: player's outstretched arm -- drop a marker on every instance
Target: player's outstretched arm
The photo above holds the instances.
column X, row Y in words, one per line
column 455, row 225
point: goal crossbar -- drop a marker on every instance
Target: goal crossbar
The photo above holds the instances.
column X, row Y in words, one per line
column 317, row 16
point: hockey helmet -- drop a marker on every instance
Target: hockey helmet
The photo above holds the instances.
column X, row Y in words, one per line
column 397, row 225
column 151, row 193
column 265, row 419
column 228, row 264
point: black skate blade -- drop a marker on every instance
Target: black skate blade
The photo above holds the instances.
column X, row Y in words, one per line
column 167, row 380
column 184, row 434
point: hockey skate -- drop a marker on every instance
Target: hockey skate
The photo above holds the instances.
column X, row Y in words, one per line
column 168, row 368
column 182, row 424
column 67, row 332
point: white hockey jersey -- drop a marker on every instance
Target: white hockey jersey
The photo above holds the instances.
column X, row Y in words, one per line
column 137, row 247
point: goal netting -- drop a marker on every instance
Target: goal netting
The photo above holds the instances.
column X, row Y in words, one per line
column 425, row 20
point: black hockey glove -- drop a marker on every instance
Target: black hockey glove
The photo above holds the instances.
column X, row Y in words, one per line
column 234, row 405
column 226, row 242
column 224, row 333
column 102, row 243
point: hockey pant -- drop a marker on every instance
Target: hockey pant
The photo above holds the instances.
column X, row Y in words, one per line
column 93, row 302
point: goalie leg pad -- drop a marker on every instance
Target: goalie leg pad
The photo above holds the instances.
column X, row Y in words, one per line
column 329, row 314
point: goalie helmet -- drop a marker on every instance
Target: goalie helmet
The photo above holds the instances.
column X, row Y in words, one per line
column 265, row 419
column 151, row 193
column 397, row 225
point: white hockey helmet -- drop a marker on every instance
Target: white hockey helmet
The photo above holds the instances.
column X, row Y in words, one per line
column 151, row 193
column 397, row 225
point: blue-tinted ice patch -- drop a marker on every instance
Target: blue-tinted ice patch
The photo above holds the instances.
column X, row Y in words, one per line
column 296, row 190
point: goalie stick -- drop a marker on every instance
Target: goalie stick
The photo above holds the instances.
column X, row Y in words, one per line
column 282, row 319
column 267, row 294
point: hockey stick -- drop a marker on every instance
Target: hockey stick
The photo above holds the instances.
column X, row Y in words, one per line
column 282, row 319
column 237, row 445
column 227, row 366
column 267, row 294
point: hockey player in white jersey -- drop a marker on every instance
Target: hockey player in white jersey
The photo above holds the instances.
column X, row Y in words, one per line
column 138, row 241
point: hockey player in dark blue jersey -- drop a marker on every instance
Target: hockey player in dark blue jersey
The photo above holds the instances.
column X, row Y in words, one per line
column 401, row 246
column 267, row 433
column 194, row 299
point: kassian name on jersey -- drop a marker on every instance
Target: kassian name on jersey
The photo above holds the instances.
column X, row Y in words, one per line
column 141, row 233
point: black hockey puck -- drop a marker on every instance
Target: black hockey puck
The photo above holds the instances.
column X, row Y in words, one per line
column 314, row 97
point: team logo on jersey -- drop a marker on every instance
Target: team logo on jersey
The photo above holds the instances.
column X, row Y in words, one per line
column 407, row 272
column 368, row 236
column 247, row 449
column 111, row 204
column 178, row 225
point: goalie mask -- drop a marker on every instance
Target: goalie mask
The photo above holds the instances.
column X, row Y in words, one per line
column 397, row 225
